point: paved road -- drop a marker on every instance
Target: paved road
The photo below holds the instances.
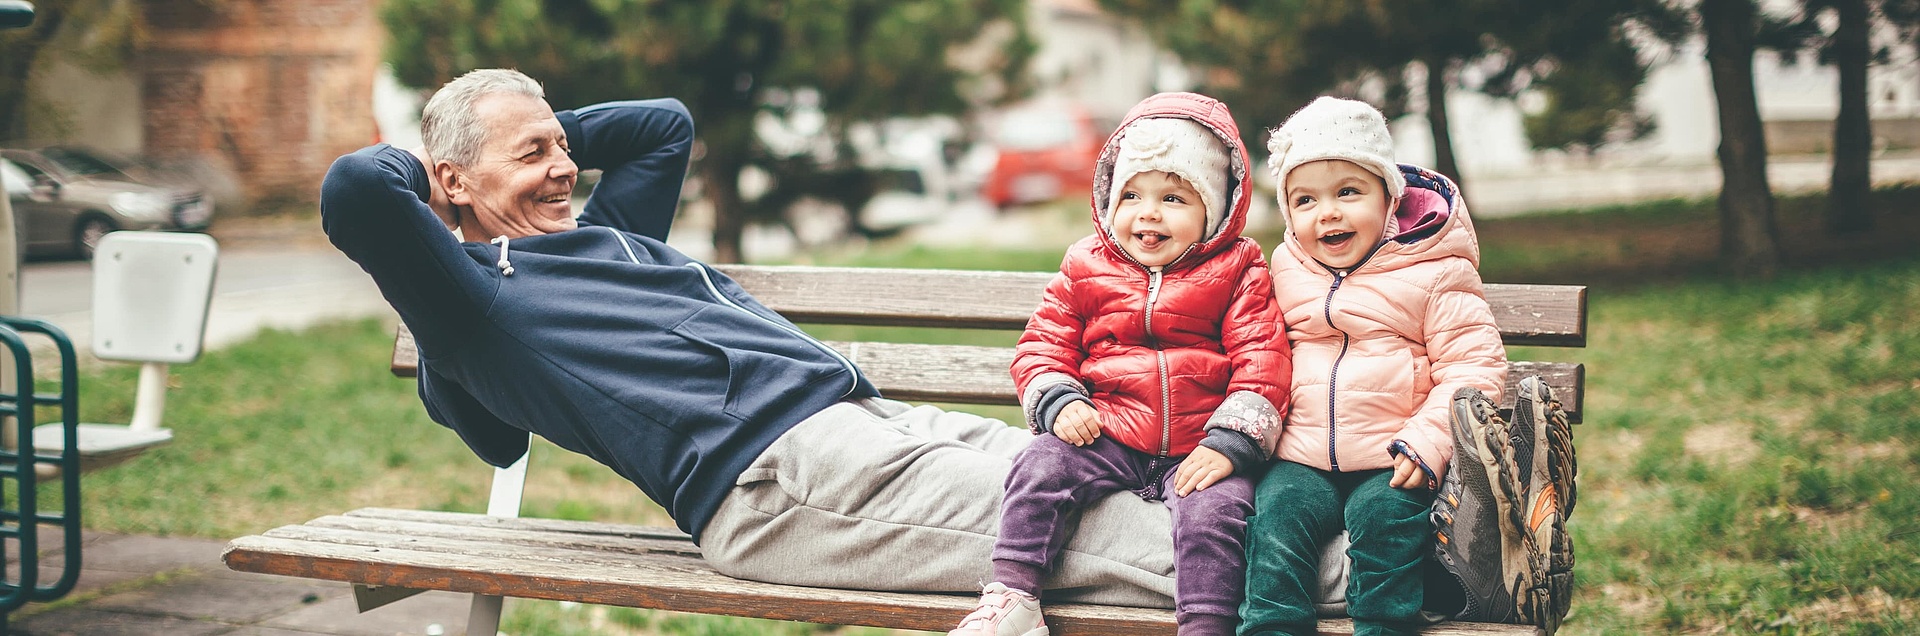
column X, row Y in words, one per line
column 259, row 285
column 1551, row 188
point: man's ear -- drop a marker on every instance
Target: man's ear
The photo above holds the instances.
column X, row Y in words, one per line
column 452, row 183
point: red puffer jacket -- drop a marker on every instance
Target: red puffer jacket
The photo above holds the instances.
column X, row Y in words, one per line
column 1159, row 353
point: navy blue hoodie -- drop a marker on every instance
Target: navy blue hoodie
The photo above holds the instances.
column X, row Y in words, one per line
column 603, row 340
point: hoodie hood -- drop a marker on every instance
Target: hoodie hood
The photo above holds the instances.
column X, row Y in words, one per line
column 1212, row 114
column 1429, row 222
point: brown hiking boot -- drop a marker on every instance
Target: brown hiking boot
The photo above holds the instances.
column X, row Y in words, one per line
column 1500, row 517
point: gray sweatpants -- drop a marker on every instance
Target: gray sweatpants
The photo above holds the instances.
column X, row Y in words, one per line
column 880, row 495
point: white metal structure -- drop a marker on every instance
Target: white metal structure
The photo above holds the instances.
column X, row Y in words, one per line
column 151, row 291
column 504, row 501
column 483, row 619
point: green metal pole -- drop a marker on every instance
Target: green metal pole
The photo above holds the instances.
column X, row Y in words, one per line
column 13, row 14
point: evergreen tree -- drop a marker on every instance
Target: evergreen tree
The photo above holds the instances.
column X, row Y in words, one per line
column 1268, row 58
column 868, row 59
column 1849, row 47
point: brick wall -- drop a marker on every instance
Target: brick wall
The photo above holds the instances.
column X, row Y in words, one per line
column 269, row 90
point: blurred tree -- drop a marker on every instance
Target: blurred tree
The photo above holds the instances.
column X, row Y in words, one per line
column 1749, row 235
column 868, row 59
column 1847, row 43
column 96, row 34
column 1267, row 58
column 1851, row 186
column 1591, row 101
column 1585, row 58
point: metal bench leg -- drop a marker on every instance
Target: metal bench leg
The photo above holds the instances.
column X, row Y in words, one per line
column 504, row 501
column 484, row 618
column 150, row 398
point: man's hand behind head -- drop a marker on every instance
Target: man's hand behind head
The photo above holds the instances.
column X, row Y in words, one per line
column 438, row 198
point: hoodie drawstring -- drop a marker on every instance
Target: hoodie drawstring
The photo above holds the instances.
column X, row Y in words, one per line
column 506, row 268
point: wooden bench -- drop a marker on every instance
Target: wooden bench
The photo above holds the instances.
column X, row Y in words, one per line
column 389, row 554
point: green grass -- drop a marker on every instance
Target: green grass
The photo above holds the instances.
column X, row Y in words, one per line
column 1748, row 464
column 290, row 426
column 1749, row 461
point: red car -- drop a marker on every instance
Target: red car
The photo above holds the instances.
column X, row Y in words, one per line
column 1046, row 152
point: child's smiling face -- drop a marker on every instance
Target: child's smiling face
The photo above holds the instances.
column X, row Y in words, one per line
column 1337, row 209
column 1158, row 217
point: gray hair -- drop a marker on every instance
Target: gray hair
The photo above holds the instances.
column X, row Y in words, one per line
column 450, row 128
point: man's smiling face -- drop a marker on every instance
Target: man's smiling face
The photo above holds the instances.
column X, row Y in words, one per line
column 1337, row 209
column 522, row 182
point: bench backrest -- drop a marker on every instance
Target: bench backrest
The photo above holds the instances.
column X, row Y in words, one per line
column 1538, row 315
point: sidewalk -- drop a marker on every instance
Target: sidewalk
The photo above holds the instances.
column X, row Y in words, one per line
column 141, row 586
column 1566, row 188
column 277, row 273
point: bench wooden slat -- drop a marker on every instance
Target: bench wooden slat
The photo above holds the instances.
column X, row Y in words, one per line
column 979, row 375
column 533, row 524
column 633, row 566
column 1545, row 315
column 653, row 581
column 587, row 543
column 965, row 374
column 1541, row 315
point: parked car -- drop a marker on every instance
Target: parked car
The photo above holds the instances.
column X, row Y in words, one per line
column 65, row 199
column 909, row 194
column 1046, row 151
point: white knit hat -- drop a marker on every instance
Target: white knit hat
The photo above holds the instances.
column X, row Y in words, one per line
column 1334, row 128
column 1178, row 146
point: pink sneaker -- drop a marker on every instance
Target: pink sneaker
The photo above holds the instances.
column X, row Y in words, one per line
column 1003, row 612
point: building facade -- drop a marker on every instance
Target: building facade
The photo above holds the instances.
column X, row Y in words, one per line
column 259, row 94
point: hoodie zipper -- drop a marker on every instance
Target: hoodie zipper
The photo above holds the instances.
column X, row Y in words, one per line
column 1333, row 379
column 1160, row 356
column 1346, row 340
column 707, row 278
column 844, row 362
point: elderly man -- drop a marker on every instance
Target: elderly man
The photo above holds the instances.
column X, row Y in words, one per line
column 770, row 448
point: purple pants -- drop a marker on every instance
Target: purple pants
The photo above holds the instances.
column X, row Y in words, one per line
column 1052, row 480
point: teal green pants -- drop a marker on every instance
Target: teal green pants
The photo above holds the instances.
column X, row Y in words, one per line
column 1298, row 509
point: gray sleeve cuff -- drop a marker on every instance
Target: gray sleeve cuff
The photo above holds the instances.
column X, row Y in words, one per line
column 1237, row 446
column 1053, row 401
column 1249, row 414
column 1040, row 393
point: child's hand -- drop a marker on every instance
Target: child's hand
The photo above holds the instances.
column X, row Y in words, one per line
column 1077, row 423
column 1407, row 474
column 1201, row 469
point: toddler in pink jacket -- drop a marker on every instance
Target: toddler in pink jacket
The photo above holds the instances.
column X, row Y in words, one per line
column 1378, row 279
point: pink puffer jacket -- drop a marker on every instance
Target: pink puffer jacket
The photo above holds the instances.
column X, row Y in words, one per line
column 1378, row 352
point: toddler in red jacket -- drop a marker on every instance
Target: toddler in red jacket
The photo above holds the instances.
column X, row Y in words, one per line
column 1155, row 364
